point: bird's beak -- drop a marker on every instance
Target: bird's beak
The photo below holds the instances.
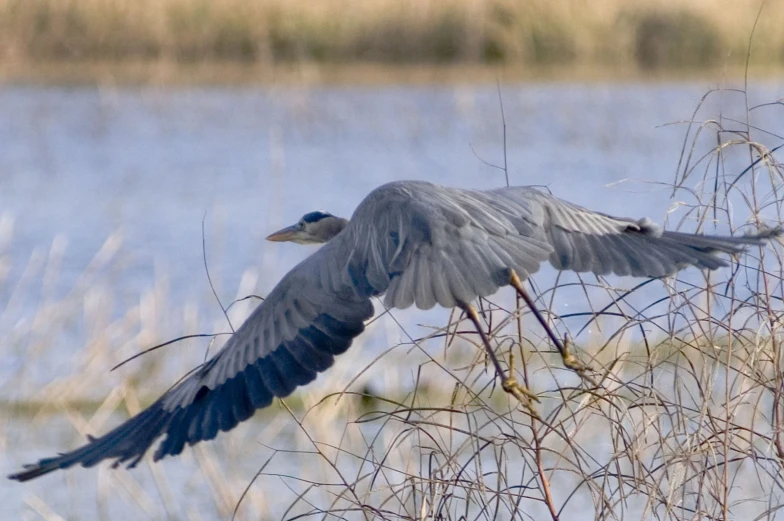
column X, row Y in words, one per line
column 287, row 234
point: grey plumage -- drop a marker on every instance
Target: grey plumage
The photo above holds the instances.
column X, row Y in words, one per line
column 420, row 244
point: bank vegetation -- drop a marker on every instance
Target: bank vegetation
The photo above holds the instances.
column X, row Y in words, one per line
column 645, row 34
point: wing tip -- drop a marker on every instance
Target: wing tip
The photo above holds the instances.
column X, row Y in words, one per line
column 34, row 470
column 766, row 235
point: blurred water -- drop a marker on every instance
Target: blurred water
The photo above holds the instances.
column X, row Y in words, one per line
column 82, row 163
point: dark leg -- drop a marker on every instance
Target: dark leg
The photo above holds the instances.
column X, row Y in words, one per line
column 509, row 383
column 569, row 359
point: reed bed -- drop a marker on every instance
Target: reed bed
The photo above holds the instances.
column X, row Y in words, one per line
column 647, row 34
column 686, row 422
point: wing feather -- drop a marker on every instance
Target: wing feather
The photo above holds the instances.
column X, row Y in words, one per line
column 477, row 270
column 423, row 291
column 440, row 287
column 605, row 262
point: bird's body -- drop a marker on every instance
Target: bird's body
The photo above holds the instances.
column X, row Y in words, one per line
column 417, row 243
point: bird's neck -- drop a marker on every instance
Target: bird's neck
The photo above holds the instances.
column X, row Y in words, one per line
column 334, row 227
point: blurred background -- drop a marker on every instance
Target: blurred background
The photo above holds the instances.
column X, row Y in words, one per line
column 141, row 140
column 144, row 41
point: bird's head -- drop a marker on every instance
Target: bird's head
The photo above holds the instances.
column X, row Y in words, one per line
column 313, row 228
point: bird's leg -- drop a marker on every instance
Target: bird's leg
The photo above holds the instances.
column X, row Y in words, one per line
column 569, row 360
column 508, row 383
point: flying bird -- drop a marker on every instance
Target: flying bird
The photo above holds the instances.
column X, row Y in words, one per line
column 418, row 243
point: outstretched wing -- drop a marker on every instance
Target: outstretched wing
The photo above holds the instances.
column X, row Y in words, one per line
column 583, row 240
column 309, row 317
column 426, row 244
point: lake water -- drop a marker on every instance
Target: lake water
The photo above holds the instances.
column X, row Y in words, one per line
column 147, row 166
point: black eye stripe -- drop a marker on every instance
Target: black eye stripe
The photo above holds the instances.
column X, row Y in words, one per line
column 313, row 217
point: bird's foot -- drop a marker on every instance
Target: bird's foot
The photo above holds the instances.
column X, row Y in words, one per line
column 522, row 393
column 571, row 361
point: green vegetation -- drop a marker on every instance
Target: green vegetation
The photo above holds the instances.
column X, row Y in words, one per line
column 647, row 34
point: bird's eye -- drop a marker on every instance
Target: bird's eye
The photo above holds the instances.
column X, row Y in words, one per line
column 302, row 222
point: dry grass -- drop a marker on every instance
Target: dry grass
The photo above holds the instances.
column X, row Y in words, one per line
column 646, row 34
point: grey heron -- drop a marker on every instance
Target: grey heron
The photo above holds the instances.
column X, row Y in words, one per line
column 417, row 243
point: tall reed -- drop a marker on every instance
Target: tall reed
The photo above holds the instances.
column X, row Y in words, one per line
column 646, row 34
